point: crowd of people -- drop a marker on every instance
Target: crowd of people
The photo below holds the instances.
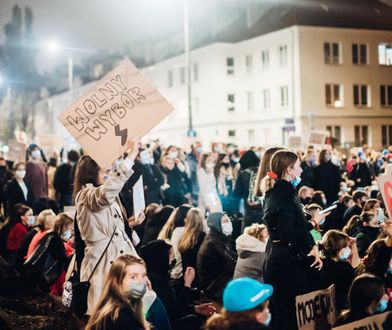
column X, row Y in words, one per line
column 227, row 240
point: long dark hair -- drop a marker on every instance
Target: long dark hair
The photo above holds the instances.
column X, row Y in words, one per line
column 17, row 212
column 86, row 172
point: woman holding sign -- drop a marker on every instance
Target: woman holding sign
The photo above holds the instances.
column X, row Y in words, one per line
column 100, row 217
column 292, row 253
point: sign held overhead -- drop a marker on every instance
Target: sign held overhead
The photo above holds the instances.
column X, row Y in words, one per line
column 121, row 106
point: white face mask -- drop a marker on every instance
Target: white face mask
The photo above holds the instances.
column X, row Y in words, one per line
column 20, row 174
column 36, row 154
column 227, row 228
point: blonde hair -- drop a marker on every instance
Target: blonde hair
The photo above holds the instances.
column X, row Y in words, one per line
column 194, row 225
column 256, row 230
column 113, row 298
column 42, row 219
column 176, row 219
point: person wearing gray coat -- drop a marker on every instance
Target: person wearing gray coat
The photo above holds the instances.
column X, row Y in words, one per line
column 251, row 252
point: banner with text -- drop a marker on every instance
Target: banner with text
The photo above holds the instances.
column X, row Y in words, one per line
column 121, row 106
column 316, row 310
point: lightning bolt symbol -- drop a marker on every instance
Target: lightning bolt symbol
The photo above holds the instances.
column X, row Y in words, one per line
column 123, row 133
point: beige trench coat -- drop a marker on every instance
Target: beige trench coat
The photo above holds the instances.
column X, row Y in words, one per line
column 97, row 218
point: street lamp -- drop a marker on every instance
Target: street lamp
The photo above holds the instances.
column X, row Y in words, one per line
column 52, row 47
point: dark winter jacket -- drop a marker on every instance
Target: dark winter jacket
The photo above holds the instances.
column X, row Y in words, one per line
column 365, row 237
column 327, row 179
column 14, row 194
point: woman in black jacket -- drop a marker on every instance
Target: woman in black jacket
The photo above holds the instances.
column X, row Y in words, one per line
column 291, row 251
column 17, row 190
column 216, row 258
column 327, row 177
column 155, row 224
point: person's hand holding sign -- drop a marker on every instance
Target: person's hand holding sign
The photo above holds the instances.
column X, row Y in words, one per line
column 132, row 149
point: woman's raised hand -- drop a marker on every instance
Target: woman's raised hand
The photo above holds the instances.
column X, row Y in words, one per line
column 132, row 148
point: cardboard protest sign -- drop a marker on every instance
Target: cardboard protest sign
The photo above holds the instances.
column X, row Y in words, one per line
column 295, row 142
column 17, row 151
column 49, row 141
column 121, row 106
column 138, row 197
column 316, row 310
column 376, row 322
column 317, row 137
column 385, row 184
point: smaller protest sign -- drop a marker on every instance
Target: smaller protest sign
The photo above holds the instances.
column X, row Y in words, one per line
column 17, row 151
column 295, row 142
column 316, row 310
column 138, row 197
column 375, row 322
column 317, row 137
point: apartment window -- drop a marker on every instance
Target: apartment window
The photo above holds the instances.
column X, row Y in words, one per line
column 385, row 54
column 386, row 95
column 230, row 102
column 386, row 135
column 284, row 96
column 249, row 63
column 251, row 136
column 335, row 132
column 265, row 59
column 266, row 99
column 361, row 96
column 251, row 103
column 195, row 72
column 230, row 65
column 361, row 135
column 332, row 53
column 359, row 52
column 182, row 75
column 283, row 55
column 334, row 95
column 231, row 133
column 170, row 78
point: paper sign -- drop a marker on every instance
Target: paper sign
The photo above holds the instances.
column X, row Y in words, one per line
column 317, row 137
column 121, row 106
column 21, row 137
column 138, row 197
column 385, row 184
column 316, row 310
column 49, row 141
column 17, row 151
column 376, row 322
column 295, row 142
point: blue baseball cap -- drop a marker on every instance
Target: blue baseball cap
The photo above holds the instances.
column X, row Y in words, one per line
column 245, row 293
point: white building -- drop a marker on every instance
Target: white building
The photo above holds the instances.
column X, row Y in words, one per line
column 258, row 91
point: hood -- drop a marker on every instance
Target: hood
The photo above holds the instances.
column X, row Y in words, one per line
column 247, row 242
column 214, row 221
column 156, row 256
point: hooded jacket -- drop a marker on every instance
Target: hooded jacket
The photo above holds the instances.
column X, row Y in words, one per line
column 156, row 256
column 216, row 259
column 251, row 255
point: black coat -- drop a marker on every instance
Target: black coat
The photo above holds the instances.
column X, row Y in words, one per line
column 63, row 179
column 156, row 256
column 216, row 262
column 179, row 184
column 365, row 237
column 5, row 176
column 327, row 179
column 349, row 213
column 15, row 194
column 361, row 172
column 152, row 181
column 126, row 320
column 307, row 175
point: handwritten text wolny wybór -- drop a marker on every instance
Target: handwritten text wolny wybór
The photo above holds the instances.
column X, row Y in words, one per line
column 115, row 97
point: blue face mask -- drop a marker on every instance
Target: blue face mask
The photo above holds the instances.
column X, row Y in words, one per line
column 346, row 254
column 389, row 269
column 296, row 181
column 382, row 305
